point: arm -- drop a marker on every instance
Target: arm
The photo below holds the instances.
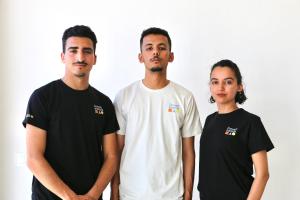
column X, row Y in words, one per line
column 109, row 166
column 260, row 162
column 41, row 169
column 188, row 160
column 116, row 179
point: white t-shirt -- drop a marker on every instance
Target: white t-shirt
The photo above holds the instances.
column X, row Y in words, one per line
column 154, row 123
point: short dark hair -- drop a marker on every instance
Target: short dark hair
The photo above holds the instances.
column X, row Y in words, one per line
column 79, row 31
column 155, row 31
column 240, row 97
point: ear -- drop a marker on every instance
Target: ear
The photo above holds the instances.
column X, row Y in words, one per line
column 62, row 56
column 141, row 58
column 240, row 87
column 171, row 57
column 95, row 59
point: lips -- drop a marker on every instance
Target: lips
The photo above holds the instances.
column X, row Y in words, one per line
column 155, row 59
column 221, row 95
column 80, row 64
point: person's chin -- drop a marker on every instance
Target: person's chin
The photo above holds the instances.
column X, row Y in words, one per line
column 156, row 69
column 80, row 75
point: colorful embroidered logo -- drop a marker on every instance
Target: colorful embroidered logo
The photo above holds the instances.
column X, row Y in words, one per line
column 231, row 131
column 98, row 110
column 174, row 108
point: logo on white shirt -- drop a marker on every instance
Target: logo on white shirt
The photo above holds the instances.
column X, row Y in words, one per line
column 174, row 108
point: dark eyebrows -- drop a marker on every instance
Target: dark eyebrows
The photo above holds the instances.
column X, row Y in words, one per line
column 84, row 49
column 72, row 48
column 160, row 44
column 229, row 78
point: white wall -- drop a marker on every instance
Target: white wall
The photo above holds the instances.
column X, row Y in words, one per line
column 262, row 37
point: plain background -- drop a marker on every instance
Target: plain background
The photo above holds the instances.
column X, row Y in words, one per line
column 261, row 36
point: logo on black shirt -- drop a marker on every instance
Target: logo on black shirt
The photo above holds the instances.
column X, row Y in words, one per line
column 231, row 131
column 29, row 116
column 98, row 110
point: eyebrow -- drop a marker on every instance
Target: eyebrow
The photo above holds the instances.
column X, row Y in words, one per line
column 160, row 44
column 85, row 48
column 229, row 78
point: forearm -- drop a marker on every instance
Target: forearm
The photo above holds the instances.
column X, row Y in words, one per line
column 42, row 170
column 188, row 159
column 258, row 187
column 106, row 173
column 114, row 192
column 188, row 176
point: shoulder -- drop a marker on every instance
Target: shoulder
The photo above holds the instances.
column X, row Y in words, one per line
column 47, row 89
column 129, row 90
column 250, row 116
column 211, row 116
column 99, row 95
column 181, row 91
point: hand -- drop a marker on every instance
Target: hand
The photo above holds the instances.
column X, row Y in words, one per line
column 187, row 196
column 86, row 197
column 114, row 193
column 114, row 197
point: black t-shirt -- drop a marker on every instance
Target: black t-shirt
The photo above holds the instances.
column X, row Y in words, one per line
column 75, row 122
column 226, row 145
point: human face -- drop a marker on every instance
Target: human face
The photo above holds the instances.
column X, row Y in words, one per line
column 79, row 56
column 224, row 86
column 155, row 53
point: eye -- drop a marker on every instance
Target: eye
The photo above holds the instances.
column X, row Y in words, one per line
column 149, row 48
column 87, row 51
column 162, row 48
column 73, row 51
column 214, row 82
column 229, row 82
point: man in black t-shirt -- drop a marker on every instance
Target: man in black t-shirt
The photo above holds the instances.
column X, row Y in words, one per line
column 70, row 139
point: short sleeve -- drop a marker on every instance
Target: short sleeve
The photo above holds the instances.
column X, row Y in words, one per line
column 258, row 137
column 192, row 125
column 111, row 125
column 120, row 116
column 36, row 113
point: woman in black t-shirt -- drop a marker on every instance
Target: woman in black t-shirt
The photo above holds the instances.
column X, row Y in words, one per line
column 233, row 140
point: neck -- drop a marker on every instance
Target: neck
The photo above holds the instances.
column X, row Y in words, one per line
column 76, row 83
column 155, row 81
column 222, row 109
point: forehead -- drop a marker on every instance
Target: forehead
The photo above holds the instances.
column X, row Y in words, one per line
column 222, row 72
column 79, row 42
column 155, row 39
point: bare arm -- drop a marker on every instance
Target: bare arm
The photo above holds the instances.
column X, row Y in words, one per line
column 41, row 169
column 116, row 179
column 260, row 162
column 109, row 166
column 188, row 160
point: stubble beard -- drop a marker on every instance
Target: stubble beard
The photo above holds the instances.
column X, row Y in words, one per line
column 156, row 69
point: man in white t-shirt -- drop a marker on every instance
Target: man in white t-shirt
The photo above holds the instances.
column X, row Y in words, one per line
column 158, row 121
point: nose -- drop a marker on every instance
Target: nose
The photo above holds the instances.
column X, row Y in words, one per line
column 155, row 52
column 80, row 56
column 221, row 86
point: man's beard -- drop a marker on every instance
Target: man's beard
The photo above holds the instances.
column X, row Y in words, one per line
column 156, row 69
column 80, row 75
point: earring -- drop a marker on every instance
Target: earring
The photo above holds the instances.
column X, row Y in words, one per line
column 240, row 94
column 212, row 100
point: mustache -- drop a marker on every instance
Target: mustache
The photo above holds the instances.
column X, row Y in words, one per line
column 80, row 63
